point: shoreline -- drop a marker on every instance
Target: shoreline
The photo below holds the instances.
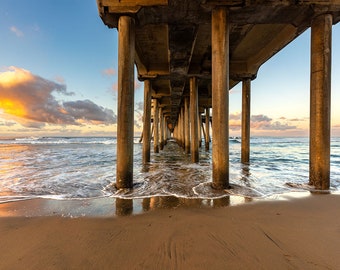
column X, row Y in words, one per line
column 119, row 206
column 295, row 233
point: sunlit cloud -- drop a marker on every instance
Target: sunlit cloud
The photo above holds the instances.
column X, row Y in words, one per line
column 29, row 99
column 261, row 122
column 16, row 31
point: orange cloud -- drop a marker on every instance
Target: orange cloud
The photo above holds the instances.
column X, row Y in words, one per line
column 30, row 98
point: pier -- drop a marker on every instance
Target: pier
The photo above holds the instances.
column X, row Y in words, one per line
column 191, row 53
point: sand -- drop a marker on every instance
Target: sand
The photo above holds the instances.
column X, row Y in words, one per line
column 295, row 234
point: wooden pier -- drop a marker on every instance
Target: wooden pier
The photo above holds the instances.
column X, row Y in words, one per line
column 190, row 53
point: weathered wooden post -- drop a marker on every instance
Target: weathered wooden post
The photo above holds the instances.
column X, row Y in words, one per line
column 199, row 119
column 165, row 134
column 194, row 119
column 220, row 97
column 156, row 126
column 320, row 97
column 125, row 121
column 179, row 129
column 245, row 133
column 207, row 129
column 187, row 125
column 147, row 121
column 161, row 129
column 183, row 126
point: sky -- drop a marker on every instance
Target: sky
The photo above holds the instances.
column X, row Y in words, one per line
column 58, row 76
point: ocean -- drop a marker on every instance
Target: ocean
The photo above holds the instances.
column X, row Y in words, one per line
column 64, row 168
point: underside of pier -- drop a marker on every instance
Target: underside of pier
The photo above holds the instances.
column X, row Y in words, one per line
column 175, row 42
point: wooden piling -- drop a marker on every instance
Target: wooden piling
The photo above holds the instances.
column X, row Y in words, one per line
column 187, row 125
column 194, row 119
column 125, row 122
column 245, row 133
column 320, row 102
column 156, row 126
column 199, row 119
column 161, row 129
column 147, row 121
column 207, row 128
column 183, row 126
column 179, row 129
column 220, row 97
column 166, row 131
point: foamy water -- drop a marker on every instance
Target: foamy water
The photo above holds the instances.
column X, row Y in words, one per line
column 78, row 168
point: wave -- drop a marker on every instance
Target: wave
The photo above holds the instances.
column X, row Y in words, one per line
column 63, row 140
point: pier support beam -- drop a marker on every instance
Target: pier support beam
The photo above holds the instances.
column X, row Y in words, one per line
column 179, row 129
column 183, row 126
column 161, row 129
column 245, row 134
column 125, row 123
column 207, row 129
column 194, row 119
column 220, row 97
column 187, row 125
column 147, row 122
column 156, row 126
column 199, row 117
column 320, row 97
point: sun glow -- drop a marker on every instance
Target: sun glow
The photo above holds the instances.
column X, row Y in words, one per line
column 12, row 107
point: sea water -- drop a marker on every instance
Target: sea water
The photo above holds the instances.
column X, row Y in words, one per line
column 84, row 167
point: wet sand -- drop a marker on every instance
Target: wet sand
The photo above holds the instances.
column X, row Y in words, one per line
column 295, row 234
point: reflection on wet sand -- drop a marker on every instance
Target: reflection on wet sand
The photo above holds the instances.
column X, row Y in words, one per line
column 124, row 207
column 116, row 207
column 129, row 206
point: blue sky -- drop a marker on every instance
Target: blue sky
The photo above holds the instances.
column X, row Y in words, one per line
column 65, row 59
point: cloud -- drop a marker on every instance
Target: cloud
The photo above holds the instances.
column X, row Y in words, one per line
column 260, row 122
column 60, row 79
column 86, row 110
column 29, row 98
column 264, row 122
column 260, row 118
column 137, row 124
column 297, row 119
column 109, row 72
column 16, row 31
column 114, row 87
column 7, row 123
column 138, row 85
column 139, row 107
column 139, row 110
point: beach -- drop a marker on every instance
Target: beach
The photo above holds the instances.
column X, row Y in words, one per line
column 289, row 233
